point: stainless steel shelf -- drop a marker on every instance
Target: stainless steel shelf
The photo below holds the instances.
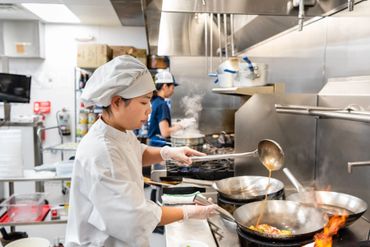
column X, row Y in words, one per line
column 70, row 146
column 45, row 222
column 36, row 179
column 248, row 91
column 47, row 219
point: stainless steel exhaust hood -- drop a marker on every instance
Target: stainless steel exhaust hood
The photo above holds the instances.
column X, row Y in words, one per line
column 177, row 27
column 253, row 7
column 183, row 34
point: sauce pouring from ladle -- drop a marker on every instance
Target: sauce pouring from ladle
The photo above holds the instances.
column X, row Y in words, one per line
column 269, row 152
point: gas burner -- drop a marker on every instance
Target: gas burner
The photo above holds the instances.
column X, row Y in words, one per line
column 248, row 241
column 212, row 170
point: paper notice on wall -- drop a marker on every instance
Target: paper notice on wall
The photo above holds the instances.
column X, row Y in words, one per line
column 11, row 162
column 21, row 47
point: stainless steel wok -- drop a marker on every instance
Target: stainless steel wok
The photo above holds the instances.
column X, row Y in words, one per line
column 332, row 203
column 248, row 187
column 304, row 221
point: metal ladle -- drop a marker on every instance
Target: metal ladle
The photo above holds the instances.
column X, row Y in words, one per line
column 269, row 152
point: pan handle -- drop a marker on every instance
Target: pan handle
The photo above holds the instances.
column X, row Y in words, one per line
column 223, row 156
column 294, row 181
column 202, row 200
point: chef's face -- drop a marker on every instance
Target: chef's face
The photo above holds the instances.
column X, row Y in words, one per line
column 170, row 89
column 135, row 112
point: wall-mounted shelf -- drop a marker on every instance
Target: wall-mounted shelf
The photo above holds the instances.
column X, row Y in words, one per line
column 249, row 91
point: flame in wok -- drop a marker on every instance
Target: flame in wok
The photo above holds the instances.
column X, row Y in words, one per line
column 325, row 238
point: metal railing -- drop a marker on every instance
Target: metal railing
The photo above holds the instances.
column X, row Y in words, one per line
column 352, row 112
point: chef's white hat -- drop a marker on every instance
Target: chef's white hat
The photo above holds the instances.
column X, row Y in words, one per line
column 124, row 76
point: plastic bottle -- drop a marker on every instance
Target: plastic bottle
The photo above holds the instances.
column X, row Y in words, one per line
column 63, row 120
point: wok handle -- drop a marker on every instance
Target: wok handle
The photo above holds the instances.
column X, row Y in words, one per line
column 202, row 200
column 223, row 156
column 293, row 180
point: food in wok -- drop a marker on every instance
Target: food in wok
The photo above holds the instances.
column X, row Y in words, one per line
column 268, row 229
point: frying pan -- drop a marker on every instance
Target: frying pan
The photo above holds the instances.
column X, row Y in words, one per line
column 332, row 203
column 304, row 221
column 247, row 188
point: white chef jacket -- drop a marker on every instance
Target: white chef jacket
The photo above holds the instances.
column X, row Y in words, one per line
column 107, row 203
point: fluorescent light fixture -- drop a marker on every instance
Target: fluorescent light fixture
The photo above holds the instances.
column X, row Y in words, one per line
column 52, row 12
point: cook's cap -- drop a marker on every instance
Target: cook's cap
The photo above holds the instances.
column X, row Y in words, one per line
column 124, row 76
column 165, row 76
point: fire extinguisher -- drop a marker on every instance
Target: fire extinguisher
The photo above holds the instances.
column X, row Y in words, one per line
column 42, row 127
column 63, row 121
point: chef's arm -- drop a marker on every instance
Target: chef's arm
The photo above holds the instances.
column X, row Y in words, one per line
column 171, row 214
column 151, row 156
column 165, row 128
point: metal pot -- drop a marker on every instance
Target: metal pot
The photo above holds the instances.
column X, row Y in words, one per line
column 190, row 140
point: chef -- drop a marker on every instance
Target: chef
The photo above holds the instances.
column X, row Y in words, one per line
column 107, row 202
column 160, row 125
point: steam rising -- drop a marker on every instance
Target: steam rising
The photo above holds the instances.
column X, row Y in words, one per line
column 192, row 107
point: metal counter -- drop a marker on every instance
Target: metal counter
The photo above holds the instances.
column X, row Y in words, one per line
column 179, row 233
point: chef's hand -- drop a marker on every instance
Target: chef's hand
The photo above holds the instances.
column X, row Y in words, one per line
column 179, row 154
column 199, row 212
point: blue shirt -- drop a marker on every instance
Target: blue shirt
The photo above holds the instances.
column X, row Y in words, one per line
column 160, row 112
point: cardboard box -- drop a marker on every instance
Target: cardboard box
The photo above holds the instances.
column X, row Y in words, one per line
column 140, row 54
column 93, row 55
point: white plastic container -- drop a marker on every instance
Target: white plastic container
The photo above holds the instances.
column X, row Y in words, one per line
column 30, row 242
column 24, row 207
column 11, row 162
column 225, row 80
column 65, row 168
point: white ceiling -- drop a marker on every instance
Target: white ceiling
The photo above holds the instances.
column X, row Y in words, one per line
column 90, row 12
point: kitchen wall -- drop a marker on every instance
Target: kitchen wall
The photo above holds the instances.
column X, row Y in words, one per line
column 217, row 110
column 332, row 47
column 53, row 77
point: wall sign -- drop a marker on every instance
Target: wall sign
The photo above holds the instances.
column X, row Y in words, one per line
column 41, row 107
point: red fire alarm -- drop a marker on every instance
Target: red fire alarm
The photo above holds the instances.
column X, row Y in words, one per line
column 41, row 107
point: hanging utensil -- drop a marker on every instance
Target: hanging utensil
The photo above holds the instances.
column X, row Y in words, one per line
column 225, row 34
column 219, row 36
column 269, row 152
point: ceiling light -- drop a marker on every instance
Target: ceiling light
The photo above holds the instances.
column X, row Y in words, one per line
column 52, row 12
